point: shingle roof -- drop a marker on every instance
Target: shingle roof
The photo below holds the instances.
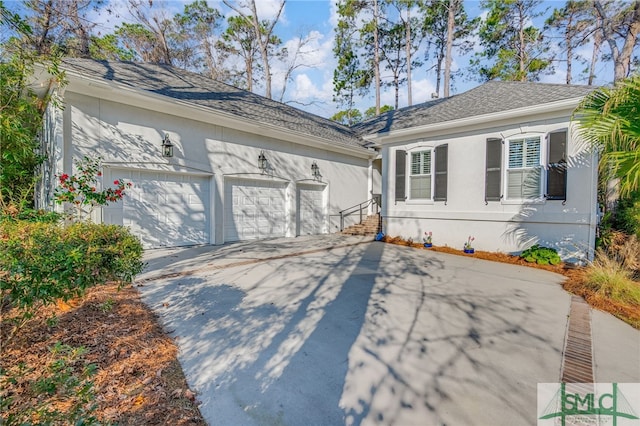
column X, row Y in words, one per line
column 491, row 97
column 202, row 91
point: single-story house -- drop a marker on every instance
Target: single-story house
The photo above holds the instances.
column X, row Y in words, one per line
column 242, row 167
column 501, row 163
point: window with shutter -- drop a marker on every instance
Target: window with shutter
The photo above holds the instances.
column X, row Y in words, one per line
column 493, row 173
column 524, row 177
column 557, row 170
column 440, row 192
column 401, row 160
column 420, row 177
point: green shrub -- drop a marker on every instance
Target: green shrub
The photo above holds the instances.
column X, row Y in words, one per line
column 30, row 215
column 609, row 276
column 627, row 215
column 41, row 262
column 541, row 255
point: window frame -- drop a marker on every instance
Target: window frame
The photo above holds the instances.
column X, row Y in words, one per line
column 540, row 166
column 409, row 174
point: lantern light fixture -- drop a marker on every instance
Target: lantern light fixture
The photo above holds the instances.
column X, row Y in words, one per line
column 262, row 162
column 167, row 146
column 315, row 171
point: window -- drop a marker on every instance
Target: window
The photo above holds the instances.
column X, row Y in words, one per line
column 524, row 177
column 420, row 176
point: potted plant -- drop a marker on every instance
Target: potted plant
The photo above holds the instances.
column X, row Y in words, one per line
column 427, row 239
column 467, row 246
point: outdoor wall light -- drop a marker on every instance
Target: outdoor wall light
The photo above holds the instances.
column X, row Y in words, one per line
column 167, row 146
column 262, row 162
column 315, row 171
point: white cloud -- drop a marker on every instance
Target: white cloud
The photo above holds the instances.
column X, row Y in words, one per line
column 266, row 9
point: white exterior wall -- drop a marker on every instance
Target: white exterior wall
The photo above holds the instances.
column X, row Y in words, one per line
column 128, row 136
column 501, row 226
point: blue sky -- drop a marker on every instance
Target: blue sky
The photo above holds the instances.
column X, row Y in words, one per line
column 310, row 87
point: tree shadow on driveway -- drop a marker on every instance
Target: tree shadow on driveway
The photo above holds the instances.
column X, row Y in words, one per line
column 367, row 334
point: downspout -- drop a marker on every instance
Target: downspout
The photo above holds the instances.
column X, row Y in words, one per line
column 593, row 216
column 370, row 186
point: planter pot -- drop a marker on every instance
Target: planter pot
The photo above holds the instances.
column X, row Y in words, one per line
column 469, row 251
column 428, row 245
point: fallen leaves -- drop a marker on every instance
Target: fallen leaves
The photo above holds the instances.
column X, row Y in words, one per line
column 139, row 380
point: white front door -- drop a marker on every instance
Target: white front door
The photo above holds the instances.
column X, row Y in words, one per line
column 162, row 209
column 254, row 209
column 312, row 217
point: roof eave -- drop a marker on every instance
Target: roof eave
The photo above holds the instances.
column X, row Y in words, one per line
column 223, row 118
column 393, row 135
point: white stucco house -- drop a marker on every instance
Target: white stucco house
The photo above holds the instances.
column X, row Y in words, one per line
column 214, row 188
column 502, row 163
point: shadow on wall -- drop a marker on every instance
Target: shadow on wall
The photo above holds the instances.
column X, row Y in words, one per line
column 546, row 224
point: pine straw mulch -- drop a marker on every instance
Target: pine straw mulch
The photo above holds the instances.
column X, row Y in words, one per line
column 138, row 380
column 575, row 282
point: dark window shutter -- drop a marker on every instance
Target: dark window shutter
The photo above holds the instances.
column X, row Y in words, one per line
column 401, row 160
column 557, row 170
column 493, row 175
column 442, row 154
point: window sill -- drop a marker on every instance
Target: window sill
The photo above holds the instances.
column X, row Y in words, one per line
column 419, row 202
column 523, row 202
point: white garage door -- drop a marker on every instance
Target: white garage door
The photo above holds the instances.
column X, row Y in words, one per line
column 312, row 216
column 163, row 209
column 254, row 209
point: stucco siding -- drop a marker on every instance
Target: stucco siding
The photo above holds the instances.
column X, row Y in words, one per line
column 130, row 137
column 505, row 225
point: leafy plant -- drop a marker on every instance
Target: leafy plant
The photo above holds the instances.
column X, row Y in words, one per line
column 427, row 237
column 467, row 245
column 43, row 262
column 80, row 190
column 541, row 255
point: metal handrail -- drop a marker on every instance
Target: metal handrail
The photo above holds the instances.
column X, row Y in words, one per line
column 358, row 208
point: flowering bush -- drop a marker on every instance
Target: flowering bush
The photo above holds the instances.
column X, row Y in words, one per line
column 80, row 189
column 427, row 237
column 467, row 245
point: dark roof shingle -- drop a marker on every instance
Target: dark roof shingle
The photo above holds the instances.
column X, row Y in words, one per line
column 491, row 97
column 202, row 91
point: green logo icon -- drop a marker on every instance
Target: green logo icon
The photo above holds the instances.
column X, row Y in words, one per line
column 566, row 403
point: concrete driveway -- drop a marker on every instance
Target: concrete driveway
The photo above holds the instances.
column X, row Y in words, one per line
column 369, row 333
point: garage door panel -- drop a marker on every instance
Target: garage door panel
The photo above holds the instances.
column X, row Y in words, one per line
column 311, row 211
column 164, row 209
column 254, row 209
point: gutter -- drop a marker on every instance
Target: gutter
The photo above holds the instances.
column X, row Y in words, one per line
column 223, row 118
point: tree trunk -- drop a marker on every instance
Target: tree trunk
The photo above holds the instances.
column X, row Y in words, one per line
column 567, row 39
column 376, row 55
column 623, row 65
column 621, row 57
column 521, row 44
column 451, row 16
column 597, row 43
column 408, row 53
column 46, row 26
